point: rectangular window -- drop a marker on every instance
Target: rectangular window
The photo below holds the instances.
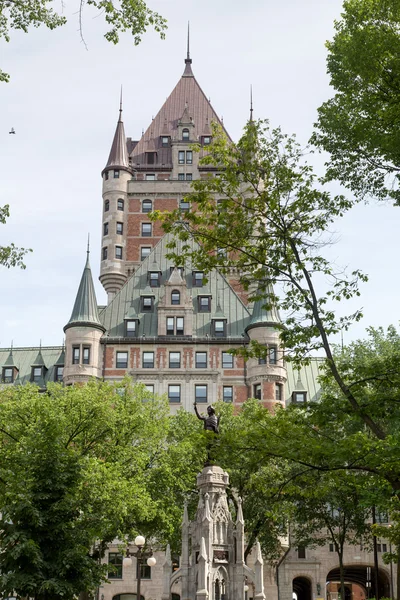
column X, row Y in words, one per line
column 130, row 328
column 201, row 360
column 204, row 304
column 154, row 279
column 179, row 325
column 147, row 303
column 106, row 205
column 174, row 393
column 144, row 252
column 150, row 177
column 257, row 391
column 278, row 391
column 86, row 355
column 262, row 361
column 145, row 571
column 59, row 373
column 116, row 173
column 273, row 355
column 206, row 140
column 151, row 158
column 181, row 157
column 120, row 228
column 106, row 176
column 200, row 393
column 299, row 397
column 148, row 360
column 146, row 229
column 115, row 565
column 331, row 548
column 122, row 360
column 301, row 552
column 228, row 393
column 198, row 277
column 181, row 176
column 227, row 360
column 8, row 375
column 189, row 176
column 37, row 374
column 165, row 142
column 170, row 325
column 76, row 355
column 174, row 360
column 184, row 205
column 105, row 229
column 219, row 328
column 118, row 252
column 175, row 298
column 150, row 388
column 105, row 252
column 189, row 157
column 120, row 204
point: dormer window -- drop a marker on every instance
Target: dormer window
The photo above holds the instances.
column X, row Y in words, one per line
column 131, row 327
column 204, row 304
column 198, row 277
column 150, row 158
column 185, row 134
column 175, row 297
column 165, row 141
column 154, row 279
column 58, row 374
column 299, row 397
column 206, row 140
column 219, row 328
column 147, row 303
column 37, row 374
column 8, row 375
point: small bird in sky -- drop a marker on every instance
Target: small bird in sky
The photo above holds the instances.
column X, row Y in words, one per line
column 12, row 130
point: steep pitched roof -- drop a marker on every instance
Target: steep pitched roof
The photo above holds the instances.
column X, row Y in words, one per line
column 187, row 98
column 85, row 308
column 118, row 157
column 25, row 358
column 262, row 316
column 223, row 296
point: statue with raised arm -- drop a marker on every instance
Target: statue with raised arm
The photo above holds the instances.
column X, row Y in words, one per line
column 211, row 421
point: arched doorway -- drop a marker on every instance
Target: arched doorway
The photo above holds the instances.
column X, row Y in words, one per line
column 302, row 588
column 175, row 597
column 359, row 583
column 127, row 597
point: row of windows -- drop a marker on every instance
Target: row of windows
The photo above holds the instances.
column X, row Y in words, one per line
column 272, row 356
column 174, row 325
column 200, row 393
column 37, row 374
column 114, row 174
column 115, row 562
column 119, row 230
column 118, row 252
column 120, row 205
column 257, row 391
column 147, row 204
column 81, row 355
column 201, row 360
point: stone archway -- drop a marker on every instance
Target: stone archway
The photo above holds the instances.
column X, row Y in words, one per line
column 127, row 596
column 357, row 585
column 302, row 588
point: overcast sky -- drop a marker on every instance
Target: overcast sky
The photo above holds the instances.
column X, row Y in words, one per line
column 63, row 103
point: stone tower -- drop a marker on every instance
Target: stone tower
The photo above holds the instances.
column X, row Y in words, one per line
column 212, row 559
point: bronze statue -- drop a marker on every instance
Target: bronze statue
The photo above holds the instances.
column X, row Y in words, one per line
column 211, row 421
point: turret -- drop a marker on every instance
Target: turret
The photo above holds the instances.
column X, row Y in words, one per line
column 83, row 333
column 266, row 377
column 116, row 175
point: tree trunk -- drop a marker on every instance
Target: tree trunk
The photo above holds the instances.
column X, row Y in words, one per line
column 341, row 570
column 397, row 595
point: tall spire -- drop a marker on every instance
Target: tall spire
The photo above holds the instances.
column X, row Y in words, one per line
column 251, row 103
column 85, row 308
column 118, row 157
column 188, row 61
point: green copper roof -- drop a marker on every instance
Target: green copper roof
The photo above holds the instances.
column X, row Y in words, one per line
column 26, row 358
column 85, row 311
column 262, row 315
column 39, row 362
column 10, row 360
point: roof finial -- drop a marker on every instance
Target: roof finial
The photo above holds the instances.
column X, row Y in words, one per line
column 188, row 43
column 88, row 249
column 188, row 61
column 251, row 103
column 120, row 105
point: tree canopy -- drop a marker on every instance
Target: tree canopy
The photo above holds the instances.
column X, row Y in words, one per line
column 126, row 15
column 360, row 125
column 11, row 256
column 80, row 466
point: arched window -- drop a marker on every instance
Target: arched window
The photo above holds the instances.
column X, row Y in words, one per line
column 147, row 206
column 175, row 297
column 185, row 134
column 120, row 204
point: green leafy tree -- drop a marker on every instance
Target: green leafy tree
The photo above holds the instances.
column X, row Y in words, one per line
column 126, row 15
column 11, row 256
column 360, row 125
column 79, row 467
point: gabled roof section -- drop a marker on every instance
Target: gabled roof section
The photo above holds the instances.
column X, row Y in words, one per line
column 85, row 311
column 26, row 358
column 188, row 95
column 118, row 158
column 223, row 298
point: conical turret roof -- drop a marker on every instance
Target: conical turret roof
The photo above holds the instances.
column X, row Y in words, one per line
column 85, row 311
column 119, row 155
column 262, row 316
